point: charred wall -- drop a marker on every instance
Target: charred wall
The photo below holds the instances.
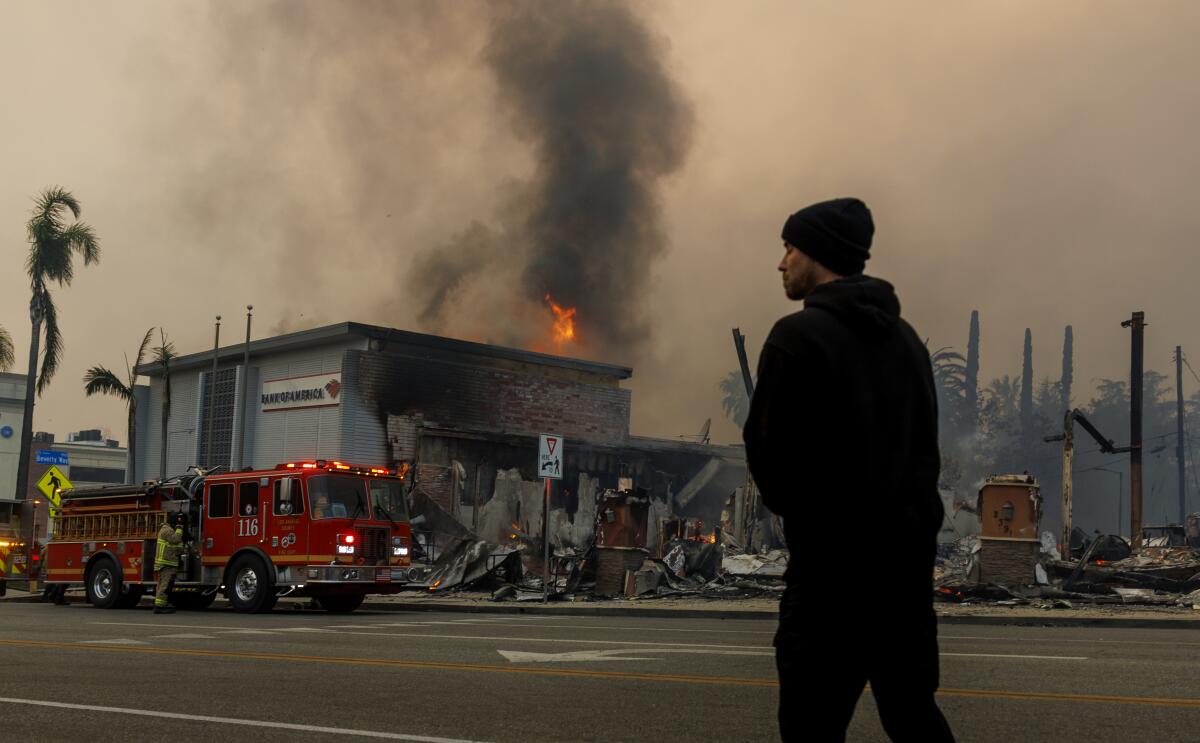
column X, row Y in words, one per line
column 476, row 397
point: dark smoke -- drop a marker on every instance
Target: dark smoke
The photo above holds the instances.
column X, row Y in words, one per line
column 585, row 84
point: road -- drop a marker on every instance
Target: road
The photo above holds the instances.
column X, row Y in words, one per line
column 76, row 673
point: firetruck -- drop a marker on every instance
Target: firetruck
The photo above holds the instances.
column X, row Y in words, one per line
column 328, row 530
column 14, row 556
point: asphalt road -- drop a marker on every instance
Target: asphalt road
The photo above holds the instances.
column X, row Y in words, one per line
column 76, row 673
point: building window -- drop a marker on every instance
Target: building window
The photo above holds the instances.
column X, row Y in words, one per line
column 97, row 474
column 222, row 429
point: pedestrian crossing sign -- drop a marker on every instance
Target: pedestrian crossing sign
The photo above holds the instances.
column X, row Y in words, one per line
column 51, row 484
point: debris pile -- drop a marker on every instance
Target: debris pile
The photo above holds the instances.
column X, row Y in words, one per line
column 1107, row 572
column 680, row 558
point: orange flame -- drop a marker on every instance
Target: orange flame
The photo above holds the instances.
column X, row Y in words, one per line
column 563, row 330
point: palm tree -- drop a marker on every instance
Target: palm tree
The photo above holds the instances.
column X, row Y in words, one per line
column 52, row 247
column 163, row 353
column 99, row 380
column 6, row 350
column 735, row 402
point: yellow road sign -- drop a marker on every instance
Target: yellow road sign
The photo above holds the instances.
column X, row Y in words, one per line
column 50, row 485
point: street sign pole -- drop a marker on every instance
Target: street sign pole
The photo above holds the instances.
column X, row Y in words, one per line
column 550, row 467
column 546, row 542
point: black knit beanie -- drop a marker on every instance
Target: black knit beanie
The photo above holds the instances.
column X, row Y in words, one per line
column 837, row 234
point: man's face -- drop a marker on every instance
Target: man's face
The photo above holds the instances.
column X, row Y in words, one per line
column 799, row 272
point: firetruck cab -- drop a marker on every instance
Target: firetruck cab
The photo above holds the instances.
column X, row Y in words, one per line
column 328, row 530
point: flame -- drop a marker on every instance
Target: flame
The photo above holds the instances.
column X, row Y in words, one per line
column 563, row 329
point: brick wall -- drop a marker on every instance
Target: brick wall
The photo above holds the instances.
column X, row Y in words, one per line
column 460, row 395
column 1007, row 562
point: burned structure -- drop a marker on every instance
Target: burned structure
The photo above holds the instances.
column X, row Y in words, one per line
column 465, row 416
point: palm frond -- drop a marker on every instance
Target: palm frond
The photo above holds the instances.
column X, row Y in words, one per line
column 141, row 354
column 53, row 348
column 6, row 350
column 52, row 242
column 100, row 381
column 81, row 239
column 53, row 200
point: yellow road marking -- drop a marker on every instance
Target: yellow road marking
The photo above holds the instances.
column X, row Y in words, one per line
column 428, row 665
column 1041, row 696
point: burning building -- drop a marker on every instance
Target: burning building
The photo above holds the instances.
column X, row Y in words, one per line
column 464, row 416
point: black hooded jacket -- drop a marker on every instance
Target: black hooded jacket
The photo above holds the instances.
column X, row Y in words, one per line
column 842, row 437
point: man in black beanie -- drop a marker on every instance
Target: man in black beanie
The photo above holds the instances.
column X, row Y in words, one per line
column 842, row 443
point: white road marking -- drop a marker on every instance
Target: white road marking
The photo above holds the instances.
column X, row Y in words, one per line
column 113, row 642
column 576, row 640
column 516, row 656
column 182, row 636
column 614, row 627
column 249, row 632
column 1002, row 655
column 1023, row 638
column 235, row 721
column 430, row 635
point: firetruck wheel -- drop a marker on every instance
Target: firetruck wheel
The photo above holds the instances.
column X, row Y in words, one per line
column 341, row 604
column 130, row 597
column 250, row 586
column 104, row 584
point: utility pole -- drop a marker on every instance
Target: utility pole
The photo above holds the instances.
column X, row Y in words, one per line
column 748, row 508
column 1068, row 457
column 245, row 385
column 212, row 396
column 1137, row 323
column 1179, row 440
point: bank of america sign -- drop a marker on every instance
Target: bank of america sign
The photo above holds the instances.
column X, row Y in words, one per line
column 292, row 393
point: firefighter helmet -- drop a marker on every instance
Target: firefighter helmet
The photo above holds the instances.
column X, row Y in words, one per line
column 179, row 520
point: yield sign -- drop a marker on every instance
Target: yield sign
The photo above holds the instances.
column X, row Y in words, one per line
column 550, row 451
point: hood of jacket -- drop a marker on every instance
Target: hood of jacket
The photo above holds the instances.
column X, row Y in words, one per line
column 865, row 303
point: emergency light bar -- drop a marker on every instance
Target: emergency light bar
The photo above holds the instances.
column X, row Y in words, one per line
column 321, row 464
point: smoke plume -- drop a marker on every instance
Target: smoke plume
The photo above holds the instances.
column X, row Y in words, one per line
column 585, row 85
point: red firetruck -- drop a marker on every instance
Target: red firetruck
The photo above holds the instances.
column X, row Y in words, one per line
column 323, row 529
column 13, row 554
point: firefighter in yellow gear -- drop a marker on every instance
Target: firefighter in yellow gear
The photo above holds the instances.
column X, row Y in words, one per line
column 166, row 559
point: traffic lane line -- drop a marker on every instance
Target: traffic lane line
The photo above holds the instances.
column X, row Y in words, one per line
column 1069, row 640
column 614, row 628
column 632, row 644
column 433, row 635
column 234, row 721
column 1043, row 696
column 389, row 663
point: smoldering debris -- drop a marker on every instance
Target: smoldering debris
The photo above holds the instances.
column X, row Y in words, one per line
column 616, row 560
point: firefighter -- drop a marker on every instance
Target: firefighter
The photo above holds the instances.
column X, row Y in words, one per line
column 166, row 559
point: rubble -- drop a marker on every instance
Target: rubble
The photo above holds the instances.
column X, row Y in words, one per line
column 1152, row 576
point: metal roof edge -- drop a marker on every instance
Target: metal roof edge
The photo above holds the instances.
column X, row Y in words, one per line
column 330, row 333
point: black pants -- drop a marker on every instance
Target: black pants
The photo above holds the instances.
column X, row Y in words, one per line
column 824, row 664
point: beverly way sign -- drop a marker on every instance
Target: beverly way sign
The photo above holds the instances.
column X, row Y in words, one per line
column 550, row 455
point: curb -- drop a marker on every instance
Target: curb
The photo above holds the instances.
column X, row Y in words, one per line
column 526, row 608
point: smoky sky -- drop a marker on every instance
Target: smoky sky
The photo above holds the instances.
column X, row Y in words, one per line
column 443, row 165
column 583, row 85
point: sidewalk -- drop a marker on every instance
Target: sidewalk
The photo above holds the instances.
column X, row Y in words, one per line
column 766, row 609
